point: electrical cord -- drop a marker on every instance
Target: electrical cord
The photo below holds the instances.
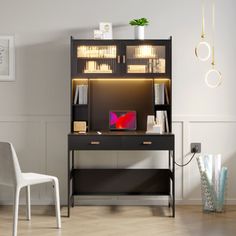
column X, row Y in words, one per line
column 187, row 162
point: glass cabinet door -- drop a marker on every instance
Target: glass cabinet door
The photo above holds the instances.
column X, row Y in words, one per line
column 146, row 59
column 97, row 59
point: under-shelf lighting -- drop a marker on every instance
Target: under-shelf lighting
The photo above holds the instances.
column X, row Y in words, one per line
column 121, row 79
column 163, row 80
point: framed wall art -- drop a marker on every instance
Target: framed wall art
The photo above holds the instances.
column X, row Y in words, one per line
column 7, row 58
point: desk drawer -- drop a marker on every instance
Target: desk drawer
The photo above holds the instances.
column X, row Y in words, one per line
column 149, row 142
column 94, row 142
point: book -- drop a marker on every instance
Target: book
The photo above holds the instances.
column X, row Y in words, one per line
column 162, row 65
column 81, row 100
column 159, row 93
column 156, row 129
column 160, row 119
column 155, row 93
column 76, row 94
column 166, row 121
column 85, row 94
column 166, row 95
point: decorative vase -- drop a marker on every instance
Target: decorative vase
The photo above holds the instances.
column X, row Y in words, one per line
column 139, row 32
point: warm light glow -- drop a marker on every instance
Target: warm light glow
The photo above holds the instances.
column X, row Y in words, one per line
column 214, row 75
column 145, row 51
column 96, row 51
column 122, row 79
column 158, row 81
column 94, row 67
column 78, row 81
column 82, row 79
column 198, row 51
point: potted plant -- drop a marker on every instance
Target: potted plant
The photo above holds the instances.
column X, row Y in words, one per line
column 139, row 27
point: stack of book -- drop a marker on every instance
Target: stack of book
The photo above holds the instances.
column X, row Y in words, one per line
column 94, row 67
column 161, row 124
column 137, row 68
column 162, row 120
column 161, row 94
column 161, row 65
column 81, row 94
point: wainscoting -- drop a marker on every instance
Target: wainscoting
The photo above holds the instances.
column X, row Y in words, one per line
column 41, row 144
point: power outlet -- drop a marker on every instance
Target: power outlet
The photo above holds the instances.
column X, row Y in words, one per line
column 195, row 147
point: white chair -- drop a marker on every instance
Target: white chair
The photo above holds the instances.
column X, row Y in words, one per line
column 11, row 175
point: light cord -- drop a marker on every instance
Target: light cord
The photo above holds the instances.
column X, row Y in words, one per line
column 183, row 165
column 203, row 19
column 213, row 33
column 203, row 42
column 213, row 70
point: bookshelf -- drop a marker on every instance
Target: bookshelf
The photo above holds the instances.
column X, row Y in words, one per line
column 120, row 60
column 120, row 75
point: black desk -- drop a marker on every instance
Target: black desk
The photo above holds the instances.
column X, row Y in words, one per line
column 121, row 181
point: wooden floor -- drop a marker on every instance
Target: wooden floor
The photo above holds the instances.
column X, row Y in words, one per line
column 122, row 221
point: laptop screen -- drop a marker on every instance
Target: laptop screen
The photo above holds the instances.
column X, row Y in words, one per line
column 122, row 120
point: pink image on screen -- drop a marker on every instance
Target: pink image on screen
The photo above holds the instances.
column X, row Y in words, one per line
column 125, row 120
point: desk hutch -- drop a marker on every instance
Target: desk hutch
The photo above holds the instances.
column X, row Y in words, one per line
column 120, row 75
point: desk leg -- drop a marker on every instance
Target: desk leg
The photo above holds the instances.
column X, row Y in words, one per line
column 69, row 191
column 173, row 184
column 169, row 165
column 169, row 152
column 73, row 198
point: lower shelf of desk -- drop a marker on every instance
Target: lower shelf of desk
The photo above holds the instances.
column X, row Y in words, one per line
column 121, row 181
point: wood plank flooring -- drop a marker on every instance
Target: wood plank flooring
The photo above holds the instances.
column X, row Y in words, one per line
column 121, row 221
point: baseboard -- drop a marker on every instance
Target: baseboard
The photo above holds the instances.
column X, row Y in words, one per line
column 117, row 200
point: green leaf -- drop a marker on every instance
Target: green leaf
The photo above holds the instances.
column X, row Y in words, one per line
column 139, row 22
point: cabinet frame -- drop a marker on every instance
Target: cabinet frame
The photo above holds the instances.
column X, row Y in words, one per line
column 124, row 140
column 121, row 51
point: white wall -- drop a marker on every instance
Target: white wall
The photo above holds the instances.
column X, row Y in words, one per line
column 34, row 110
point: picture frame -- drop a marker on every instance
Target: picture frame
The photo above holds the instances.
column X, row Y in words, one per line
column 106, row 29
column 7, row 58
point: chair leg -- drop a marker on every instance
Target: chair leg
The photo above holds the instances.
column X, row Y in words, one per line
column 57, row 202
column 16, row 208
column 28, row 206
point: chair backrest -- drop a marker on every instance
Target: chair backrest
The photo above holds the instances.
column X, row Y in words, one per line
column 10, row 172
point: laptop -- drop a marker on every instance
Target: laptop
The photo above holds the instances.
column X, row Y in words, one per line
column 122, row 120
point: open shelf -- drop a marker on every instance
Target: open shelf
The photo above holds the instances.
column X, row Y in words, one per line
column 80, row 105
column 121, row 181
column 162, row 106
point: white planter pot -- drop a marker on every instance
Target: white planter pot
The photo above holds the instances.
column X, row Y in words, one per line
column 139, row 32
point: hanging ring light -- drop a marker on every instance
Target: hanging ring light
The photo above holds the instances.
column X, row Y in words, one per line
column 203, row 49
column 213, row 77
column 203, row 45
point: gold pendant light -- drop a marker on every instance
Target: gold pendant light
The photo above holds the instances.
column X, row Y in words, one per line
column 213, row 77
column 203, row 49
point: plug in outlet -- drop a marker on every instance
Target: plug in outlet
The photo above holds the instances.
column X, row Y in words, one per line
column 195, row 147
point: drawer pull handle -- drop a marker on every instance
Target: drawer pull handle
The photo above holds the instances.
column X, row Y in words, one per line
column 123, row 58
column 147, row 142
column 118, row 59
column 95, row 142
